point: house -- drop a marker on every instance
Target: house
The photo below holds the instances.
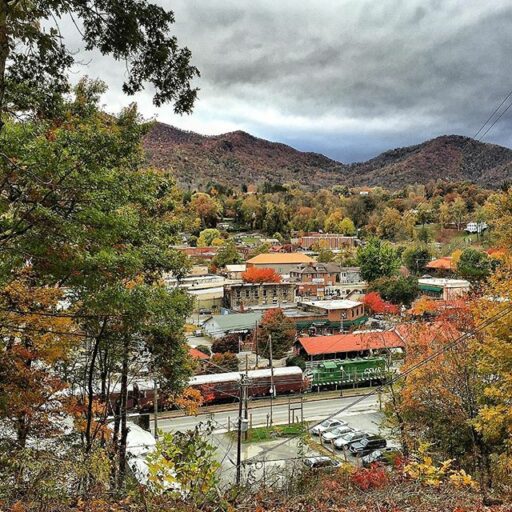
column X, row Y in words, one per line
column 312, row 278
column 346, row 346
column 240, row 296
column 442, row 288
column 235, row 272
column 333, row 241
column 282, row 263
column 350, row 275
column 217, row 326
column 476, row 227
column 340, row 314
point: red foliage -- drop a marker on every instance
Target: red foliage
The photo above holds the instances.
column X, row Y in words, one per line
column 378, row 305
column 261, row 275
column 370, row 478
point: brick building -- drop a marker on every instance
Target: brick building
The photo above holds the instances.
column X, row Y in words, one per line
column 241, row 296
column 331, row 241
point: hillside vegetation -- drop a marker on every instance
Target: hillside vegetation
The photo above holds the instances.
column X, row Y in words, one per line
column 238, row 158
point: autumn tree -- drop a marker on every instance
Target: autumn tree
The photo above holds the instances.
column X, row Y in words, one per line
column 228, row 343
column 92, row 222
column 443, row 400
column 377, row 259
column 206, row 208
column 207, row 236
column 224, row 362
column 376, row 304
column 36, row 339
column 280, row 328
column 261, row 275
column 325, row 256
column 494, row 368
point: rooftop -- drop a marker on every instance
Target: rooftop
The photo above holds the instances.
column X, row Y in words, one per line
column 275, row 258
column 444, row 283
column 333, row 304
column 445, row 263
column 354, row 342
column 235, row 320
column 236, row 268
column 197, row 354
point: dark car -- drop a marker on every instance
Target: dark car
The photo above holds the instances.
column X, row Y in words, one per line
column 386, row 456
column 367, row 445
column 321, row 463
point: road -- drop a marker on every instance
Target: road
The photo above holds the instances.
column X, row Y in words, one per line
column 313, row 411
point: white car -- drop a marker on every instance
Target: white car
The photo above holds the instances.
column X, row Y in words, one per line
column 327, row 425
column 331, row 435
column 345, row 440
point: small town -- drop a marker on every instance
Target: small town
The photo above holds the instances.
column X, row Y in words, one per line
column 255, row 256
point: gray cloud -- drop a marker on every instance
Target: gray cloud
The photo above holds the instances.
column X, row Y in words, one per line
column 349, row 78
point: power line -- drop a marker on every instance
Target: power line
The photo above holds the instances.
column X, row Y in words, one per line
column 492, row 115
column 460, row 339
column 495, row 121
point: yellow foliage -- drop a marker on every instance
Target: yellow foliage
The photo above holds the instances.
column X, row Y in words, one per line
column 456, row 257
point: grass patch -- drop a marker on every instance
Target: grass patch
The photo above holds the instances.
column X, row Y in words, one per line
column 259, row 434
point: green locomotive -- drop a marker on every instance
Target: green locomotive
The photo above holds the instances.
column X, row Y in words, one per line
column 342, row 372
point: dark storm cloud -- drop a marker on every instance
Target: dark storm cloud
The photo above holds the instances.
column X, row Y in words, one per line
column 348, row 78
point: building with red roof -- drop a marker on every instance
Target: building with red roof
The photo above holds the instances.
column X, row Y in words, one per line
column 197, row 354
column 441, row 266
column 342, row 346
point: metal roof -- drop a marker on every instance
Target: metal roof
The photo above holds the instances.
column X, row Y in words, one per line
column 234, row 320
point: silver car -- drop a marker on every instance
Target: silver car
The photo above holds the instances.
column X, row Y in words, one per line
column 351, row 437
column 327, row 425
column 337, row 432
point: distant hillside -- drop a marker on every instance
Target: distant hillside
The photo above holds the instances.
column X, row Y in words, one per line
column 449, row 157
column 237, row 158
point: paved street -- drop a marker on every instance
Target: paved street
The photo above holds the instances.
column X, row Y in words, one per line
column 365, row 412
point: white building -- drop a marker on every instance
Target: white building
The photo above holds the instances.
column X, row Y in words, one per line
column 446, row 289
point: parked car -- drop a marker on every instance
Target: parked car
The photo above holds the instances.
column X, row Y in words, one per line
column 331, row 435
column 347, row 439
column 204, row 311
column 321, row 463
column 367, row 445
column 383, row 456
column 327, row 425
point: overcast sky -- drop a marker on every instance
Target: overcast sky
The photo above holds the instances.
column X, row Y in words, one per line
column 347, row 78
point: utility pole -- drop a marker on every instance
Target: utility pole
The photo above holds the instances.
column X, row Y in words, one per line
column 155, row 405
column 246, row 396
column 272, row 390
column 256, row 343
column 242, row 424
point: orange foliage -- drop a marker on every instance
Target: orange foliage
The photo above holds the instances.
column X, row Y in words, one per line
column 190, row 400
column 261, row 275
column 378, row 305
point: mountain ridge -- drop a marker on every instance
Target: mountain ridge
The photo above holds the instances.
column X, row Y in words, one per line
column 239, row 158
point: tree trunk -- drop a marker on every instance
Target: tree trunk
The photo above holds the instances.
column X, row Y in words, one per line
column 122, row 414
column 90, row 387
column 4, row 53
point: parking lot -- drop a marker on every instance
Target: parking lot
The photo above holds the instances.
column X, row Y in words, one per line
column 273, row 461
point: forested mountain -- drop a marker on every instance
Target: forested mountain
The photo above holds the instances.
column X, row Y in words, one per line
column 238, row 158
